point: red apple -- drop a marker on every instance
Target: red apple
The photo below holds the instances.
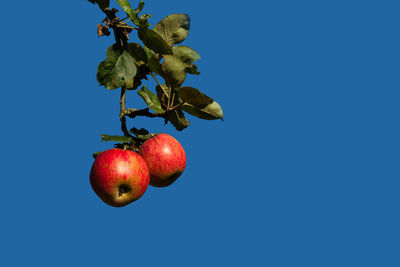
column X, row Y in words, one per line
column 165, row 158
column 119, row 176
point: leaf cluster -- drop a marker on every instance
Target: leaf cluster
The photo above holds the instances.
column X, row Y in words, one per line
column 127, row 64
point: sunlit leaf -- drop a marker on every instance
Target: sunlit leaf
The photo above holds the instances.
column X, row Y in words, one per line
column 129, row 11
column 117, row 69
column 192, row 96
column 151, row 99
column 186, row 54
column 212, row 111
column 154, row 64
column 174, row 28
column 140, row 7
column 173, row 70
column 178, row 120
column 116, row 138
column 140, row 133
column 163, row 93
column 154, row 41
column 138, row 53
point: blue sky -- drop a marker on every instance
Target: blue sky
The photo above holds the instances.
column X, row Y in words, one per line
column 304, row 171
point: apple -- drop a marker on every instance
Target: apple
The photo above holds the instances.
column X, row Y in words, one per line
column 165, row 158
column 119, row 176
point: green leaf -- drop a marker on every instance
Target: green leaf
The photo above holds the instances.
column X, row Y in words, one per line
column 116, row 138
column 193, row 70
column 154, row 41
column 174, row 28
column 200, row 105
column 192, row 96
column 151, row 99
column 173, row 70
column 163, row 93
column 114, row 51
column 138, row 53
column 118, row 68
column 141, row 74
column 101, row 3
column 178, row 120
column 212, row 111
column 95, row 154
column 153, row 61
column 141, row 134
column 186, row 54
column 140, row 7
column 148, row 51
column 128, row 9
column 154, row 64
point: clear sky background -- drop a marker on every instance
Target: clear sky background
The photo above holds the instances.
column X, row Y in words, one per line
column 304, row 171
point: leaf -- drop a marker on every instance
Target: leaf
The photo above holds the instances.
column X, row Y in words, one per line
column 116, row 138
column 141, row 134
column 174, row 28
column 151, row 99
column 193, row 70
column 200, row 105
column 212, row 111
column 138, row 53
column 140, row 57
column 117, row 69
column 140, row 7
column 163, row 93
column 154, row 64
column 192, row 96
column 176, row 117
column 95, row 154
column 148, row 51
column 141, row 74
column 114, row 51
column 102, row 3
column 128, row 9
column 173, row 71
column 154, row 41
column 186, row 54
column 178, row 120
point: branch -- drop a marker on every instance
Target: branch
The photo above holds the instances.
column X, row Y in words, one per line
column 122, row 112
column 119, row 34
column 154, row 76
column 132, row 113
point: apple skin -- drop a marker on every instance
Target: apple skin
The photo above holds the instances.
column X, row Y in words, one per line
column 119, row 176
column 165, row 158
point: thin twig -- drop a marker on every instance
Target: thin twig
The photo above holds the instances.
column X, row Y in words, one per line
column 172, row 101
column 124, row 19
column 154, row 76
column 125, row 22
column 122, row 112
